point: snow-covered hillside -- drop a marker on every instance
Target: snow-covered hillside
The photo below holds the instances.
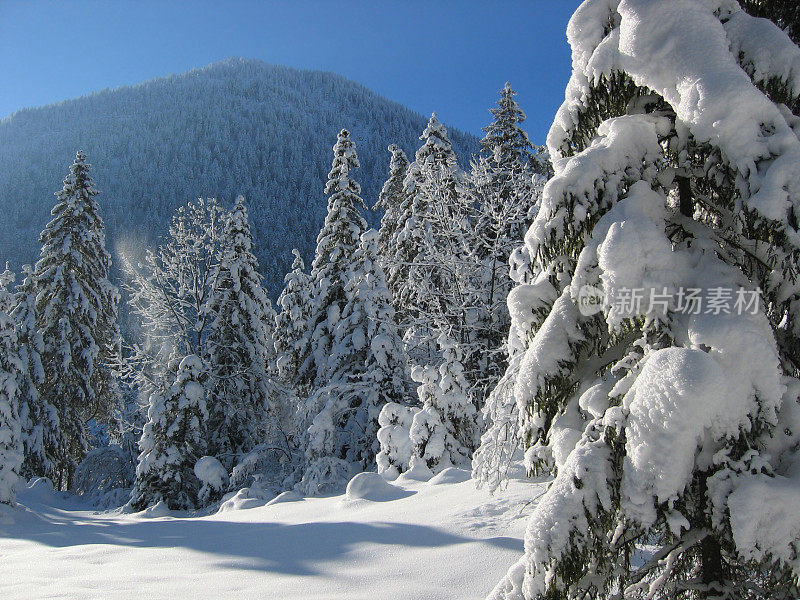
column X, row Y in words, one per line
column 409, row 539
column 234, row 127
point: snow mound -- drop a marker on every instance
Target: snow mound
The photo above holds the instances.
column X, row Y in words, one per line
column 211, row 472
column 451, row 475
column 372, row 486
column 288, row 496
column 40, row 490
column 419, row 471
column 243, row 499
column 157, row 510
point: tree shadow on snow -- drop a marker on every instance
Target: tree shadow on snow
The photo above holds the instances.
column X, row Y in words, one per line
column 292, row 549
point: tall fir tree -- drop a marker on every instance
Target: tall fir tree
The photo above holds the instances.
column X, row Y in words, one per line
column 291, row 323
column 405, row 247
column 507, row 191
column 173, row 441
column 337, row 242
column 240, row 346
column 41, row 430
column 506, row 144
column 426, row 257
column 76, row 312
column 668, row 411
column 393, row 199
column 11, row 445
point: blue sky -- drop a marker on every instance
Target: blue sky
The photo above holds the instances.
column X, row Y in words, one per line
column 448, row 56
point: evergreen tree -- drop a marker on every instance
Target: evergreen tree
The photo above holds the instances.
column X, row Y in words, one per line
column 240, row 346
column 173, row 441
column 41, row 431
column 405, row 247
column 366, row 367
column 507, row 191
column 668, row 412
column 505, row 143
column 392, row 200
column 11, row 447
column 443, row 433
column 76, row 311
column 427, row 264
column 336, row 244
column 291, row 322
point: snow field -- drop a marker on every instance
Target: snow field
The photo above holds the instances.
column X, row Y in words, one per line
column 405, row 539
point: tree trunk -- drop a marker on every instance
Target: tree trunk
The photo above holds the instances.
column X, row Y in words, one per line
column 685, row 196
column 711, row 566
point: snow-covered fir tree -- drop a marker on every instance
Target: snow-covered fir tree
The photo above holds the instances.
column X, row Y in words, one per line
column 506, row 144
column 444, row 432
column 336, row 244
column 507, row 191
column 76, row 312
column 173, row 441
column 291, row 322
column 11, row 446
column 240, row 346
column 429, row 270
column 393, row 199
column 41, row 431
column 668, row 411
column 366, row 368
column 406, row 245
column 394, row 437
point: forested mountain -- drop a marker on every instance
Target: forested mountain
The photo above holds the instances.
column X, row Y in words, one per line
column 234, row 127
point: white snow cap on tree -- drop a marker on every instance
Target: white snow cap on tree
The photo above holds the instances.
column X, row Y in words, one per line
column 667, row 425
column 394, row 437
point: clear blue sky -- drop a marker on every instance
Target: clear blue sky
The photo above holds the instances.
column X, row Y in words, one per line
column 448, row 56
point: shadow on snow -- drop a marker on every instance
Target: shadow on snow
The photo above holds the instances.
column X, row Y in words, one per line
column 278, row 547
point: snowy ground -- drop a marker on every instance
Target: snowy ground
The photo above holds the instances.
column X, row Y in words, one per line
column 417, row 541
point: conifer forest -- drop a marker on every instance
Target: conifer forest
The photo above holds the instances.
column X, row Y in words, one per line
column 280, row 337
